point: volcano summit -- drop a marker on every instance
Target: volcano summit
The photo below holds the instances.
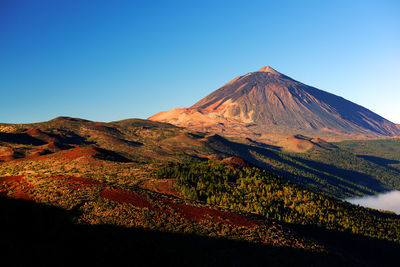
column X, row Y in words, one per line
column 269, row 106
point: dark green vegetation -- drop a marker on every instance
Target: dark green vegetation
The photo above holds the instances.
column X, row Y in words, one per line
column 337, row 172
column 259, row 191
column 384, row 152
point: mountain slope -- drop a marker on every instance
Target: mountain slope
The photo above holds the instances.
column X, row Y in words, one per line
column 267, row 105
column 72, row 146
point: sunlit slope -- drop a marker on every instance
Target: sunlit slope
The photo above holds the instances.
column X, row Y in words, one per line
column 268, row 106
column 130, row 147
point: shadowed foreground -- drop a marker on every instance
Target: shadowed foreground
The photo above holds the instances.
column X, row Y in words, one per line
column 33, row 233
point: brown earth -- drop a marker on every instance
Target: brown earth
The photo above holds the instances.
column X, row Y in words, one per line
column 121, row 141
column 7, row 154
column 163, row 186
column 19, row 187
column 124, row 196
column 301, row 143
column 237, row 162
column 35, row 132
column 199, row 214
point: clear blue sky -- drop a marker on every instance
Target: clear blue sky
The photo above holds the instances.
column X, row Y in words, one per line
column 112, row 60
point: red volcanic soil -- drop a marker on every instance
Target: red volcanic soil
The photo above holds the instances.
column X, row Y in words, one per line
column 199, row 214
column 189, row 212
column 6, row 179
column 21, row 186
column 54, row 146
column 40, row 152
column 186, row 138
column 35, row 132
column 75, row 153
column 7, row 154
column 164, row 186
column 124, row 196
column 84, row 180
column 78, row 152
column 78, row 182
column 237, row 162
column 69, row 154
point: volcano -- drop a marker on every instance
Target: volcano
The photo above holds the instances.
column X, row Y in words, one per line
column 269, row 106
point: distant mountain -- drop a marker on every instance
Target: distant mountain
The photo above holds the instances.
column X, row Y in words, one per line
column 268, row 106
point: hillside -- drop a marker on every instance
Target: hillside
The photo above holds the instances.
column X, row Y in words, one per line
column 76, row 147
column 127, row 179
column 93, row 216
column 383, row 152
column 268, row 106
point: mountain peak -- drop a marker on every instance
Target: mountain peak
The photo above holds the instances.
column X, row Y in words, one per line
column 268, row 69
column 266, row 105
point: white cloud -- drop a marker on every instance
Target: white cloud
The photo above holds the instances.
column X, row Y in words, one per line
column 385, row 201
